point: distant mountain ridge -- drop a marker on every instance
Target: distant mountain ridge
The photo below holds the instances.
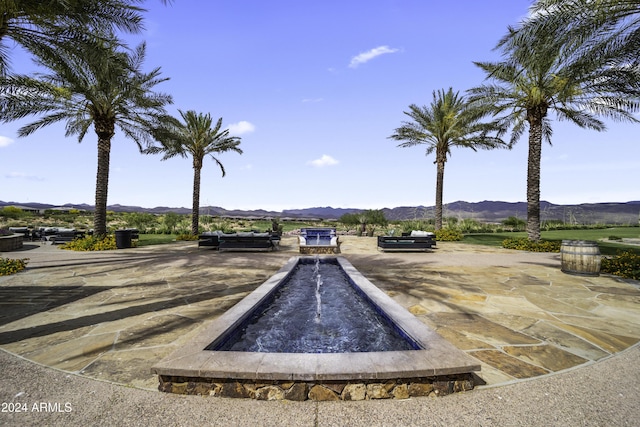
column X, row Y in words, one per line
column 485, row 211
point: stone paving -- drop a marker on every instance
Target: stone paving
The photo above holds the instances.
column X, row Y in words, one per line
column 112, row 315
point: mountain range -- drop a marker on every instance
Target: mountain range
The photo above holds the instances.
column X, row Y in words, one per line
column 486, row 211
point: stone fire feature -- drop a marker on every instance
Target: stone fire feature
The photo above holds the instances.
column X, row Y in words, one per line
column 438, row 368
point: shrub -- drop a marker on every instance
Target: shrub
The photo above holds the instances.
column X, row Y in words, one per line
column 615, row 238
column 524, row 244
column 469, row 225
column 448, row 235
column 624, row 264
column 515, row 223
column 92, row 243
column 11, row 212
column 417, row 224
column 5, row 232
column 11, row 266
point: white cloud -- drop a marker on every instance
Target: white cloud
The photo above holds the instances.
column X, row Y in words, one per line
column 241, row 127
column 20, row 175
column 367, row 56
column 5, row 141
column 325, row 160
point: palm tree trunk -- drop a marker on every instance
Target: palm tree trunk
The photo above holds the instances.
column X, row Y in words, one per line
column 4, row 25
column 439, row 190
column 533, row 178
column 102, row 186
column 195, row 207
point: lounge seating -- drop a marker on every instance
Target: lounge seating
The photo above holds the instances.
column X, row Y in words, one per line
column 248, row 241
column 64, row 235
column 318, row 240
column 209, row 239
column 21, row 230
column 416, row 241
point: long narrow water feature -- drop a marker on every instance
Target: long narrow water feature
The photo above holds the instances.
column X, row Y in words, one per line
column 317, row 329
column 316, row 310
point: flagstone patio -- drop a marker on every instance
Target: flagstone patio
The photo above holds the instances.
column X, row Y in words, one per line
column 112, row 315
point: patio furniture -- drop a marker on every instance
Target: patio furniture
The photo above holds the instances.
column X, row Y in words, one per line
column 209, row 239
column 415, row 241
column 64, row 235
column 249, row 241
column 26, row 233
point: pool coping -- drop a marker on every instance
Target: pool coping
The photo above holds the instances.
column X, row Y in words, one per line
column 438, row 357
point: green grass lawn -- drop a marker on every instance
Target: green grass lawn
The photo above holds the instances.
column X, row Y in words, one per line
column 606, row 248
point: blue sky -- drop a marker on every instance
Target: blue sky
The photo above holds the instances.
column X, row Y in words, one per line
column 314, row 88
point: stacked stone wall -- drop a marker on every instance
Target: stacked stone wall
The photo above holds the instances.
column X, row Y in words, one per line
column 299, row 391
column 319, row 250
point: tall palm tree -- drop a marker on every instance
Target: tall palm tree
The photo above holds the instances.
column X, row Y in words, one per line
column 585, row 23
column 545, row 71
column 32, row 23
column 446, row 123
column 99, row 86
column 194, row 137
column 61, row 23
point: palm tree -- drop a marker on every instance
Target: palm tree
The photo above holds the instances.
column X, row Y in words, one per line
column 544, row 71
column 446, row 123
column 194, row 137
column 61, row 23
column 585, row 23
column 99, row 86
column 32, row 23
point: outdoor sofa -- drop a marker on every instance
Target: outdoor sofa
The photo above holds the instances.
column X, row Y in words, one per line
column 26, row 233
column 64, row 235
column 415, row 241
column 244, row 241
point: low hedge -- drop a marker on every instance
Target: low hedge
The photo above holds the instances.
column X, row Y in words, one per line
column 624, row 264
column 92, row 243
column 448, row 235
column 524, row 244
column 11, row 266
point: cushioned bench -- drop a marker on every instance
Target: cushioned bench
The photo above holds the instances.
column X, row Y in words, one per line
column 64, row 236
column 415, row 242
column 246, row 242
column 209, row 239
column 26, row 233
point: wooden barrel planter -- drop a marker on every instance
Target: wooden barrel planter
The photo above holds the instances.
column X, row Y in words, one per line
column 580, row 257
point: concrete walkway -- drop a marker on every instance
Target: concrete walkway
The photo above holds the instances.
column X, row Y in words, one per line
column 110, row 316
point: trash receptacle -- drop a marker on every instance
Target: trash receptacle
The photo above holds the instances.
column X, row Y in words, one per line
column 123, row 239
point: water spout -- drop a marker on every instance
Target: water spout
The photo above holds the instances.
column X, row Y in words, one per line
column 316, row 270
column 318, row 299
